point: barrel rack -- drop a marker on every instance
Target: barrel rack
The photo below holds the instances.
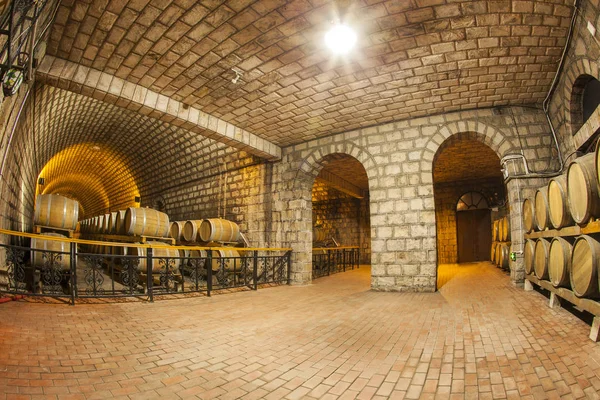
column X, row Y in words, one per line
column 130, row 239
column 591, row 306
column 590, row 228
column 70, row 233
column 584, row 304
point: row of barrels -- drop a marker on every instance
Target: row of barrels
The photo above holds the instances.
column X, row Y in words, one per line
column 501, row 230
column 500, row 254
column 571, row 198
column 205, row 230
column 133, row 221
column 42, row 244
column 56, row 211
column 568, row 262
column 179, row 258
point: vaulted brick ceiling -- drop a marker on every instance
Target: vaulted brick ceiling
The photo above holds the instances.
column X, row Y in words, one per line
column 414, row 57
column 463, row 158
column 103, row 155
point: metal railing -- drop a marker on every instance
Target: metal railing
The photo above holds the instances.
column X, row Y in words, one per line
column 331, row 260
column 93, row 269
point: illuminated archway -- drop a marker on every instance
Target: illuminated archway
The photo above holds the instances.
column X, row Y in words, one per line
column 93, row 174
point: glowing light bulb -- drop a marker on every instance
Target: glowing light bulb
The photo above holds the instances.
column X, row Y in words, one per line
column 340, row 39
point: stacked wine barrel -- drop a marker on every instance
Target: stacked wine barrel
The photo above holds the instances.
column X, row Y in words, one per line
column 58, row 215
column 562, row 240
column 209, row 230
column 500, row 251
column 55, row 211
column 133, row 221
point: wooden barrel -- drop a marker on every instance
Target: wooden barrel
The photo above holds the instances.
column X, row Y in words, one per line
column 584, row 267
column 196, row 257
column 56, row 211
column 540, row 262
column 498, row 260
column 493, row 252
column 146, row 222
column 112, row 223
column 39, row 245
column 504, row 258
column 542, row 218
column 505, row 226
column 97, row 223
column 529, row 256
column 494, row 231
column 120, row 223
column 558, row 203
column 559, row 262
column 191, row 230
column 159, row 256
column 101, row 224
column 106, row 223
column 528, row 215
column 219, row 230
column 319, row 234
column 176, row 230
column 223, row 258
column 582, row 189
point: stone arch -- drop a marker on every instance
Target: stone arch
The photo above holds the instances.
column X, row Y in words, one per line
column 575, row 79
column 489, row 135
column 310, row 165
column 471, row 174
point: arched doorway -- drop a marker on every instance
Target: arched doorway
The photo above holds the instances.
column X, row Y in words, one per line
column 473, row 228
column 340, row 206
column 469, row 194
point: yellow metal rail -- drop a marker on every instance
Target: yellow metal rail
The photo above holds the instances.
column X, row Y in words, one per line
column 141, row 245
column 335, row 248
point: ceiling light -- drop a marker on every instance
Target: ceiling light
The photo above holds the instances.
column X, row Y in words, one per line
column 96, row 148
column 340, row 39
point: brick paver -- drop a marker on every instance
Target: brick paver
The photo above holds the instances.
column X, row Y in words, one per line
column 478, row 337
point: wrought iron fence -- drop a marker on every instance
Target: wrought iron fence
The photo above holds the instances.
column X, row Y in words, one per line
column 331, row 260
column 93, row 270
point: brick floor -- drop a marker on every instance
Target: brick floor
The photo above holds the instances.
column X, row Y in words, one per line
column 478, row 337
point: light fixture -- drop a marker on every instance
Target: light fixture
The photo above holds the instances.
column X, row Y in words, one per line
column 340, row 39
column 95, row 148
column 238, row 75
column 137, row 199
column 41, row 181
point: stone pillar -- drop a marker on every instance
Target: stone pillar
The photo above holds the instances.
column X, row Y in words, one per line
column 292, row 219
column 519, row 190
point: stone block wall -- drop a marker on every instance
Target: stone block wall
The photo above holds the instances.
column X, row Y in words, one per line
column 583, row 58
column 398, row 159
column 239, row 191
column 344, row 217
column 18, row 151
column 446, row 196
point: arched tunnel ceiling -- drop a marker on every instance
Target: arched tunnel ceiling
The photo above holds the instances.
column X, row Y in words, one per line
column 103, row 155
column 347, row 168
column 461, row 158
column 414, row 57
column 93, row 175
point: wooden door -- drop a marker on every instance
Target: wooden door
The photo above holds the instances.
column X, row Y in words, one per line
column 474, row 235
